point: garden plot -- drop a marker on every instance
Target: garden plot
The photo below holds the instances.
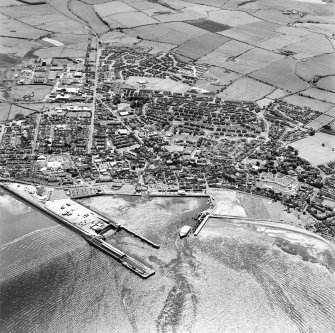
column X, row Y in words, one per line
column 318, row 66
column 171, row 33
column 253, row 33
column 87, row 14
column 112, row 7
column 327, row 83
column 209, row 25
column 133, row 19
column 231, row 18
column 281, row 74
column 12, row 28
column 26, row 10
column 319, row 94
column 201, row 45
column 156, row 47
column 311, row 45
column 246, row 89
column 220, row 55
column 253, row 60
column 308, row 102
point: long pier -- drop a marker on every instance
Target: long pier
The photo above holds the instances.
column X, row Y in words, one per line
column 126, row 260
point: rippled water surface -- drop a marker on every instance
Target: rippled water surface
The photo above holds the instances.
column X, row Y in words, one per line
column 230, row 278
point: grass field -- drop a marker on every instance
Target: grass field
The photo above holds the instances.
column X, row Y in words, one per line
column 26, row 10
column 114, row 7
column 253, row 33
column 246, row 89
column 281, row 74
column 87, row 14
column 220, row 55
column 40, row 91
column 209, row 25
column 319, row 94
column 253, row 60
column 171, row 33
column 133, row 19
column 278, row 42
column 321, row 65
column 199, row 46
column 312, row 150
column 308, row 102
column 13, row 28
column 278, row 93
column 156, row 47
column 232, row 18
column 327, row 83
column 319, row 122
column 221, row 76
column 304, row 48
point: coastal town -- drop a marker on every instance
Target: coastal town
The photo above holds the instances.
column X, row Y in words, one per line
column 98, row 134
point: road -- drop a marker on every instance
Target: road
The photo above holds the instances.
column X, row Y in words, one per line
column 96, row 79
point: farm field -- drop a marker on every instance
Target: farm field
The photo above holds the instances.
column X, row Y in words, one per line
column 281, row 74
column 65, row 26
column 319, row 122
column 308, row 102
column 199, row 46
column 221, row 76
column 304, row 50
column 319, row 94
column 40, row 20
column 114, row 7
column 232, row 18
column 87, row 14
column 171, row 33
column 318, row 66
column 220, row 55
column 278, row 93
column 312, row 150
column 26, row 10
column 246, row 89
column 278, row 42
column 327, row 83
column 253, row 33
column 133, row 19
column 17, row 47
column 18, row 29
column 253, row 60
column 209, row 25
column 156, row 47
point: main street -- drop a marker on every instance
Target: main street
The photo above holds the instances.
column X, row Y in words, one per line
column 96, row 80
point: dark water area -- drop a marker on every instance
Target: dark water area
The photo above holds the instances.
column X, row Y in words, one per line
column 228, row 279
column 17, row 219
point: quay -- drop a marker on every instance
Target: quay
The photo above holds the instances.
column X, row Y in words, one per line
column 96, row 240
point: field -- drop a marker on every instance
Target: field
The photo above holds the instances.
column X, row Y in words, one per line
column 308, row 102
column 278, row 93
column 26, row 10
column 40, row 91
column 281, row 74
column 133, row 19
column 209, row 25
column 319, row 94
column 253, row 33
column 156, row 47
column 231, row 18
column 321, row 65
column 253, row 60
column 279, row 42
column 115, row 7
column 246, row 89
column 327, row 83
column 40, row 20
column 15, row 28
column 87, row 14
column 312, row 150
column 220, row 55
column 65, row 26
column 304, row 50
column 12, row 46
column 319, row 122
column 171, row 33
column 154, row 83
column 221, row 76
column 199, row 46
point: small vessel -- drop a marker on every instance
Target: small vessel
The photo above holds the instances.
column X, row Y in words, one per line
column 184, row 231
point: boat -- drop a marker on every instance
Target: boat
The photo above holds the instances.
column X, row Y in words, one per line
column 184, row 231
